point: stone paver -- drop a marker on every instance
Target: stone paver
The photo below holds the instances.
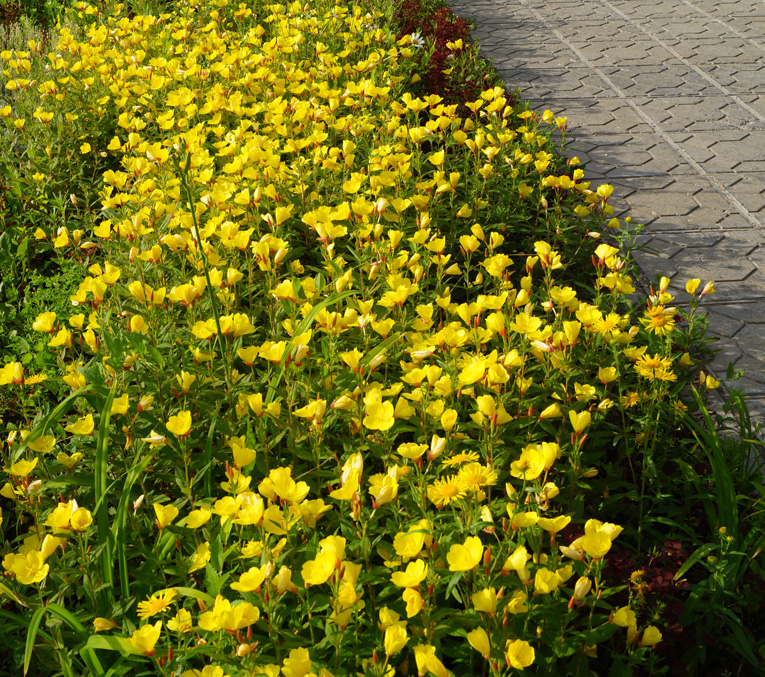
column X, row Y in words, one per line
column 665, row 101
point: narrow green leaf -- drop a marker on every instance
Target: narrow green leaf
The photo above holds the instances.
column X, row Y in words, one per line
column 34, row 626
column 88, row 655
column 703, row 551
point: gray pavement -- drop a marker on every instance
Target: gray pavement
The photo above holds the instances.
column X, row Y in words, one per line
column 665, row 100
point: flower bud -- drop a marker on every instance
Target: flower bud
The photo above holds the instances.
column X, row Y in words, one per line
column 582, row 587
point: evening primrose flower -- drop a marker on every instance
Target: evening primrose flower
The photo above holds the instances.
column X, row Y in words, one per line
column 180, row 423
column 103, row 624
column 165, row 514
column 467, row 556
column 479, row 640
column 297, row 664
column 82, row 426
column 519, row 654
column 145, row 638
column 427, row 662
column 395, row 638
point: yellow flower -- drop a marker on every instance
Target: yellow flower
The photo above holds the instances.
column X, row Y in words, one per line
column 530, row 465
column 156, row 604
column 81, row 519
column 165, row 514
column 651, row 636
column 383, row 488
column 579, row 421
column 297, row 664
column 485, row 600
column 395, row 638
column 378, row 413
column 181, row 622
column 445, row 491
column 22, row 468
column 479, row 640
column 251, row 580
column 180, row 424
column 425, row 657
column 82, row 426
column 103, row 624
column 552, row 411
column 145, row 638
column 415, row 574
column 43, row 444
column 553, row 525
column 29, row 567
column 545, row 582
column 200, row 557
column 519, row 654
column 467, row 556
column 624, row 617
column 44, row 322
column 120, row 405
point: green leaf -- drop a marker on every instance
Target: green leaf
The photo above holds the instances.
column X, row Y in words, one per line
column 34, row 626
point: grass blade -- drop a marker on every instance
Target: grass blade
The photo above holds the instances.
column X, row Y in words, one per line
column 34, row 626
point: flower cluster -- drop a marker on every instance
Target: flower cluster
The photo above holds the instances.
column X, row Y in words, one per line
column 322, row 413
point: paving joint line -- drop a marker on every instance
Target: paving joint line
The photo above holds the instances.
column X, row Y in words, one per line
column 715, row 183
column 677, row 55
column 727, row 26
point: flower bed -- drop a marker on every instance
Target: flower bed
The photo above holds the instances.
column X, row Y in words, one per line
column 350, row 384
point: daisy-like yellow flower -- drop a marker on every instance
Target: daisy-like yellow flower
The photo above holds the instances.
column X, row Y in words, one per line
column 459, row 459
column 474, row 476
column 445, row 491
column 630, row 399
column 659, row 320
column 648, row 366
column 156, row 604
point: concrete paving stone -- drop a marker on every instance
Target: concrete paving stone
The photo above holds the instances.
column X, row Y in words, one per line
column 752, row 27
column 639, row 52
column 727, row 353
column 720, row 324
column 749, row 339
column 692, row 25
column 622, row 155
column 557, row 83
column 749, row 189
column 531, row 57
column 755, row 103
column 653, row 265
column 725, row 9
column 707, row 51
column 725, row 150
column 650, row 9
column 595, row 115
column 735, row 272
column 738, row 78
column 697, row 113
column 750, row 313
column 751, row 382
column 659, row 80
column 616, row 31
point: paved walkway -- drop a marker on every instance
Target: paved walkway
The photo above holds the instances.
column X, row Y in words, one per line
column 665, row 101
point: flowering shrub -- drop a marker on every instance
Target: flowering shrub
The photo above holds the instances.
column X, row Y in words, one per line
column 319, row 411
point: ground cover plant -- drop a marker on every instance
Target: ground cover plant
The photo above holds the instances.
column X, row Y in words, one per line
column 348, row 382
